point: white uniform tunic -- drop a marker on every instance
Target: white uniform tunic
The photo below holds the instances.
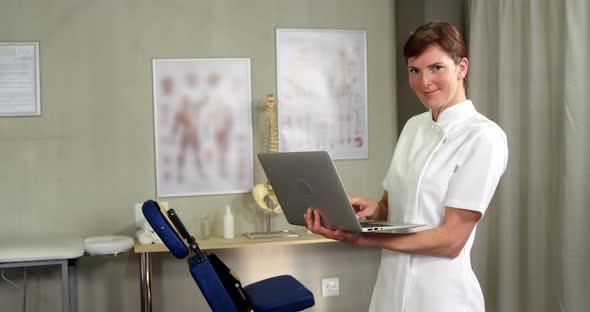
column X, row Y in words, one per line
column 455, row 162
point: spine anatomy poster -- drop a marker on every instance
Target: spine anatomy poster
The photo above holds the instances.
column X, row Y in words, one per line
column 322, row 91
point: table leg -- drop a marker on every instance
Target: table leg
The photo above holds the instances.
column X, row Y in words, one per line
column 145, row 275
column 73, row 285
column 25, row 289
column 68, row 280
column 65, row 286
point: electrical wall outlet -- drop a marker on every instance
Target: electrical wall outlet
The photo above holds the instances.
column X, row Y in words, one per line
column 330, row 287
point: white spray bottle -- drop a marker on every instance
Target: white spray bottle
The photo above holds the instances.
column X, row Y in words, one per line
column 228, row 224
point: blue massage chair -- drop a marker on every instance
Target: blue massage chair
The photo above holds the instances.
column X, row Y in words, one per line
column 222, row 290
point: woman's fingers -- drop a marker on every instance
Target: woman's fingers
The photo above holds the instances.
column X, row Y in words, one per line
column 355, row 200
column 314, row 223
column 312, row 219
column 317, row 222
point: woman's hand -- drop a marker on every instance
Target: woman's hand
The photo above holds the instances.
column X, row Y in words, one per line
column 365, row 208
column 314, row 224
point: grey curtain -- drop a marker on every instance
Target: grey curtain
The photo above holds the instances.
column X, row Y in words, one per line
column 529, row 71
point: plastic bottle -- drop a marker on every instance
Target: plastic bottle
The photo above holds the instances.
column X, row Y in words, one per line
column 228, row 224
column 205, row 227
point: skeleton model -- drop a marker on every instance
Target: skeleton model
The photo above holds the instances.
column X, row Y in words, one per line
column 262, row 193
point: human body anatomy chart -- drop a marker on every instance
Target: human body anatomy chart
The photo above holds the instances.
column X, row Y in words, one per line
column 203, row 126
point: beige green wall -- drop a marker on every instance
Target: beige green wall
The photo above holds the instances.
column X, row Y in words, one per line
column 81, row 166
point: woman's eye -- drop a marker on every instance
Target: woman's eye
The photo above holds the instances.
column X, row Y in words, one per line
column 413, row 71
column 437, row 68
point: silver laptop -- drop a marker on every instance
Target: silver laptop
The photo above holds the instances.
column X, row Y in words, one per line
column 309, row 179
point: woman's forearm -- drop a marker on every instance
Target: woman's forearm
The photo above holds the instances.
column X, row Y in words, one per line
column 446, row 240
column 435, row 242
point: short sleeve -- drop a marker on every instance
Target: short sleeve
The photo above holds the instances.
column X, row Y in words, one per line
column 477, row 173
column 386, row 181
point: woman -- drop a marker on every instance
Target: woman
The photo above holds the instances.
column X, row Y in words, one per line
column 444, row 171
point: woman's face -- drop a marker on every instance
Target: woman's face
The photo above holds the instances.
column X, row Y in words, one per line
column 436, row 79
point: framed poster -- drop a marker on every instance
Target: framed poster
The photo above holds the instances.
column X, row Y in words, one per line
column 322, row 91
column 19, row 79
column 203, row 126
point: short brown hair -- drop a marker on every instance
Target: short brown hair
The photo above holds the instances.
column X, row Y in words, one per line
column 442, row 34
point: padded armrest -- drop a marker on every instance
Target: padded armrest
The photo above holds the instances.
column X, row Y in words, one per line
column 155, row 217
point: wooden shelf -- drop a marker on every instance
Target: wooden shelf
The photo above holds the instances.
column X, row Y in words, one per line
column 240, row 242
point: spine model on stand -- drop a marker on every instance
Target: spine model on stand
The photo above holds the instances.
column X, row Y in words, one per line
column 272, row 128
column 262, row 193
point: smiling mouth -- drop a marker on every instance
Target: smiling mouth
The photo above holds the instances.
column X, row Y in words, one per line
column 430, row 93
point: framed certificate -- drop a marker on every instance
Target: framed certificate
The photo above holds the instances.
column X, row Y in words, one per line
column 19, row 79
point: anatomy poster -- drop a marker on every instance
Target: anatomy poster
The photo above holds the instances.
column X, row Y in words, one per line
column 322, row 91
column 203, row 129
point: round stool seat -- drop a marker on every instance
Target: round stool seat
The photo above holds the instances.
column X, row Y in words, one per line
column 107, row 245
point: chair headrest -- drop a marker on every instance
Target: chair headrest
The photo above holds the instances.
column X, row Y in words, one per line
column 164, row 229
